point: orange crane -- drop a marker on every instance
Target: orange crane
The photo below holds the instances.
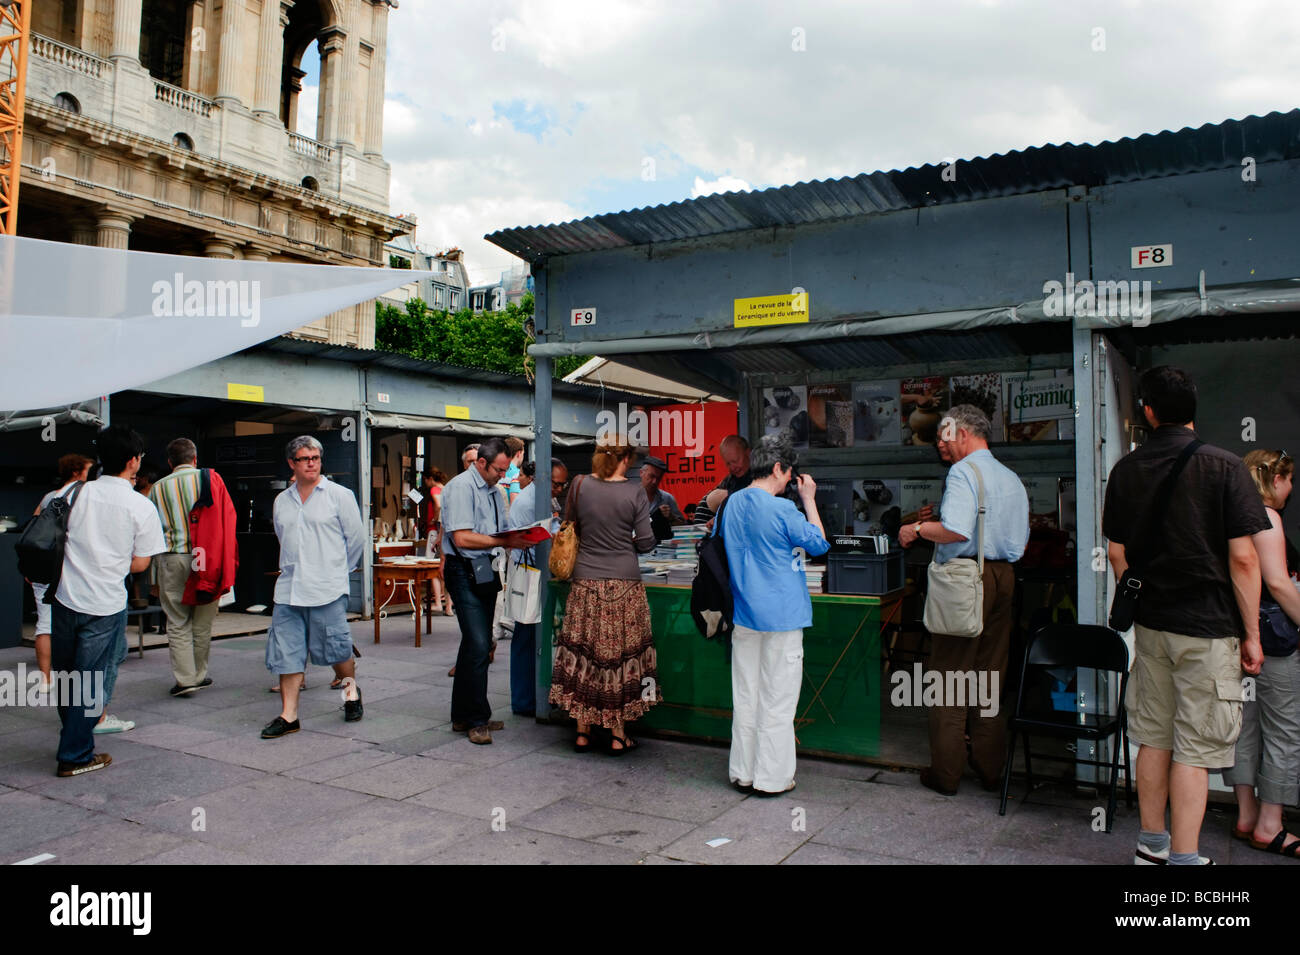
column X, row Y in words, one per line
column 15, row 30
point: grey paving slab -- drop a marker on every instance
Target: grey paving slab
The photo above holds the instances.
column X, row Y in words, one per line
column 127, row 789
column 337, row 766
column 31, row 820
column 175, row 736
column 381, row 832
column 653, row 859
column 276, row 755
column 411, row 670
column 413, row 744
column 24, row 745
column 431, row 702
column 198, row 853
column 611, row 827
column 519, row 846
column 377, row 726
column 510, row 743
column 761, row 832
column 517, row 787
column 403, row 777
column 1067, row 832
column 114, row 842
column 813, row 853
column 648, row 789
column 914, row 823
column 243, row 814
column 16, row 719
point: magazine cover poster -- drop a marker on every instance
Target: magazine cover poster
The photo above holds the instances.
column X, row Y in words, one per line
column 830, row 416
column 785, row 408
column 985, row 393
column 917, row 493
column 875, row 506
column 922, row 402
column 875, row 413
column 834, row 505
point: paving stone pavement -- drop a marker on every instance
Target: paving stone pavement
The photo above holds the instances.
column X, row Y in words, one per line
column 194, row 784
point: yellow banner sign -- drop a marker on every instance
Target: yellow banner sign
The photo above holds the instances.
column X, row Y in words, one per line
column 236, row 392
column 771, row 310
column 456, row 411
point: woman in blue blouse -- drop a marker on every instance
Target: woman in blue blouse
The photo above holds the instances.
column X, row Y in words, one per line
column 767, row 543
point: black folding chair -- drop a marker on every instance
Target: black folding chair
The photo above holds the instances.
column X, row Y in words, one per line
column 1072, row 645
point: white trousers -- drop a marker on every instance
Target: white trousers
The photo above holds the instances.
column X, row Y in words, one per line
column 766, row 674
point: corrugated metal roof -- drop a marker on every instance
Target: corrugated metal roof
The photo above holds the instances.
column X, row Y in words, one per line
column 385, row 359
column 1153, row 155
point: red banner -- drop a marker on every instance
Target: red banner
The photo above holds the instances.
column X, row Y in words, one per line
column 690, row 475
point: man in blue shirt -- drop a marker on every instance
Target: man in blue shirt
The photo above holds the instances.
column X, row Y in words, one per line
column 963, row 436
column 767, row 540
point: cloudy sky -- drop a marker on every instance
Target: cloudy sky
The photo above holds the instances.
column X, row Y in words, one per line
column 518, row 112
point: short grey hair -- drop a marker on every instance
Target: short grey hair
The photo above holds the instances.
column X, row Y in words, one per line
column 771, row 450
column 299, row 443
column 969, row 418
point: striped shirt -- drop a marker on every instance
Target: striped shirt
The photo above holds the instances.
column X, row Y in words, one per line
column 174, row 496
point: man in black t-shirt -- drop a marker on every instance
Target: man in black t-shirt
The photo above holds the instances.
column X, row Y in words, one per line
column 1197, row 618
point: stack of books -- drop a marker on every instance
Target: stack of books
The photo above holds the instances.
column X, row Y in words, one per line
column 681, row 572
column 814, row 575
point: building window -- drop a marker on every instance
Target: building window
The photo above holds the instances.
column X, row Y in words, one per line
column 476, row 301
column 309, row 183
column 398, row 262
column 67, row 101
column 181, row 141
column 437, row 297
column 163, row 39
column 455, row 299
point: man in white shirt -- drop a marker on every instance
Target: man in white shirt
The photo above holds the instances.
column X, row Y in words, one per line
column 112, row 531
column 321, row 538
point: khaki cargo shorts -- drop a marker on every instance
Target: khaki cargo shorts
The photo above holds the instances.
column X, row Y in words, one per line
column 1184, row 695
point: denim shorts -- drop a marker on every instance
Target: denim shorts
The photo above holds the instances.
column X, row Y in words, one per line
column 297, row 632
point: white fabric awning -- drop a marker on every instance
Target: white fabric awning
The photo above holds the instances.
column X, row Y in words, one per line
column 78, row 321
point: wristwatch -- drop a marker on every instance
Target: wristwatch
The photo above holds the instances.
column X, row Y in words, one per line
column 917, row 528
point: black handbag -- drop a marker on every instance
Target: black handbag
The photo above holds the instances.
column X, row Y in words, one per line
column 1278, row 636
column 1124, row 607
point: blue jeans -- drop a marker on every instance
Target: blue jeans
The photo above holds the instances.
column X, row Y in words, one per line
column 523, row 668
column 89, row 645
column 469, row 702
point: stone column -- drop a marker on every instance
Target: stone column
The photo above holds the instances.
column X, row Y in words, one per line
column 126, row 30
column 347, row 79
column 374, row 140
column 215, row 247
column 113, row 230
column 331, row 44
column 195, row 19
column 255, row 253
column 229, row 65
column 84, row 231
column 270, row 57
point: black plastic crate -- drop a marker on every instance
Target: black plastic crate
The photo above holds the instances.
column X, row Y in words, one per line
column 869, row 574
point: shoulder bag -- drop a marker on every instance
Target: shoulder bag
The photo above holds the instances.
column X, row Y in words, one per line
column 1124, row 607
column 954, row 602
column 564, row 549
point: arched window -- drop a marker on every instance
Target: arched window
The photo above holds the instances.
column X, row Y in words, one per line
column 309, row 183
column 181, row 141
column 67, row 101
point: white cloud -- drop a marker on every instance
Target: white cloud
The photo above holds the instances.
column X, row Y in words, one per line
column 721, row 184
column 307, row 101
column 722, row 101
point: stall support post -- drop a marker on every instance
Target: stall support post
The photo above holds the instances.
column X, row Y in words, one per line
column 363, row 498
column 1087, row 456
column 542, row 454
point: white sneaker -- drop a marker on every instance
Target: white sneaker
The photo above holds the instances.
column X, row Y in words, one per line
column 1145, row 856
column 113, row 724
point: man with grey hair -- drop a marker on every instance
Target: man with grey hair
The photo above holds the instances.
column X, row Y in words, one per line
column 469, row 456
column 734, row 450
column 321, row 538
column 964, row 434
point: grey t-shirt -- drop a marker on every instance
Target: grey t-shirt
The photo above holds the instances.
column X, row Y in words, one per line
column 613, row 527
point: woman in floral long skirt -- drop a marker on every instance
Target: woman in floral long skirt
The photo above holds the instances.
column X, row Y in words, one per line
column 605, row 650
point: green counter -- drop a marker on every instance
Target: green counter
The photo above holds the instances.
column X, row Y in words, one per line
column 839, row 707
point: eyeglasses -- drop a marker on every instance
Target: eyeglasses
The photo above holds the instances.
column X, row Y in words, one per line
column 307, row 460
column 1284, row 458
column 560, row 484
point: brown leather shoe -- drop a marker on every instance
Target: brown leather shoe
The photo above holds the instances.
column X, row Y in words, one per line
column 463, row 727
column 480, row 735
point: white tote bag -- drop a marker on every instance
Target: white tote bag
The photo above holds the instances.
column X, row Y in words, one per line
column 954, row 603
column 523, row 593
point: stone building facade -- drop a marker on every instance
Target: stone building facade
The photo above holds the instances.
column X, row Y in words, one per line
column 168, row 126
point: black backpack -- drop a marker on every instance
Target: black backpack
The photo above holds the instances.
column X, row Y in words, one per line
column 712, row 604
column 40, row 548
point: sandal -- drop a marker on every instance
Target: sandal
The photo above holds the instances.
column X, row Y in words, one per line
column 1276, row 847
column 580, row 747
column 625, row 743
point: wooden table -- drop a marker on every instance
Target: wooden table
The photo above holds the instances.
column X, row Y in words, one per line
column 413, row 576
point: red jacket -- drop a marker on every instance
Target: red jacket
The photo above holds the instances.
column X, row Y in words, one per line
column 212, row 539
